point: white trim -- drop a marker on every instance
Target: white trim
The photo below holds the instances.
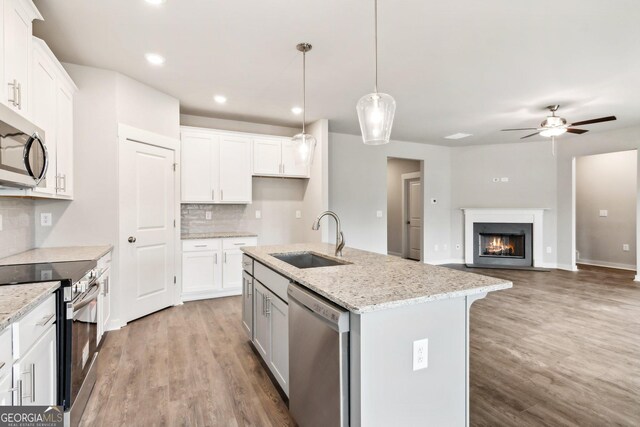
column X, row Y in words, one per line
column 56, row 63
column 520, row 215
column 140, row 135
column 607, row 264
column 398, row 254
column 445, row 261
column 573, row 215
column 637, row 278
column 198, row 295
column 404, row 179
column 567, row 267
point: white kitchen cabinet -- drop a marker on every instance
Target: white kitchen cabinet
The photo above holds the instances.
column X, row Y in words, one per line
column 18, row 16
column 6, row 390
column 271, row 332
column 34, row 374
column 64, row 140
column 216, row 167
column 213, row 267
column 235, row 169
column 276, row 157
column 247, row 304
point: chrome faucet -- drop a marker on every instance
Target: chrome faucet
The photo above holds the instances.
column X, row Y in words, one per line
column 339, row 235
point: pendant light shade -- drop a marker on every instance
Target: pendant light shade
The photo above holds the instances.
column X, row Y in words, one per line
column 376, row 110
column 304, row 144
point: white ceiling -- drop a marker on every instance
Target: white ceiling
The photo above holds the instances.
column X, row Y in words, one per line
column 453, row 66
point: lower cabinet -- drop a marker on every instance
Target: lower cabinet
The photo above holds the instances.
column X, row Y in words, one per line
column 213, row 267
column 34, row 374
column 247, row 304
column 271, row 332
column 6, row 390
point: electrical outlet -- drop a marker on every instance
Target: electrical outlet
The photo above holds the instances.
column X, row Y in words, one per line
column 420, row 354
column 207, row 215
column 379, row 214
column 45, row 219
column 445, row 247
column 434, row 201
column 436, row 248
column 458, row 246
column 504, row 179
column 625, row 247
column 549, row 249
column 298, row 214
column 258, row 214
column 604, row 213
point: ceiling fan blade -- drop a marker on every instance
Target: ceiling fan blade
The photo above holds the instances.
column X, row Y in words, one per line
column 577, row 131
column 504, row 130
column 592, row 121
column 533, row 134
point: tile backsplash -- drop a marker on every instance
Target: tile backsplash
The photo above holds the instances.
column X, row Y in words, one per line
column 223, row 218
column 18, row 225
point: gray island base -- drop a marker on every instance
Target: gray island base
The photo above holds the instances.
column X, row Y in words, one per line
column 394, row 305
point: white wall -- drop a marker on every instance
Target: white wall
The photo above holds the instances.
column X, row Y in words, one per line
column 531, row 170
column 236, row 125
column 316, row 188
column 358, row 189
column 395, row 221
column 606, row 182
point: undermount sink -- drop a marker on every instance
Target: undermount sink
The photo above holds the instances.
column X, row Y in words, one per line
column 307, row 260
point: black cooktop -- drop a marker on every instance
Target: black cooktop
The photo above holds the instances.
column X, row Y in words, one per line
column 44, row 272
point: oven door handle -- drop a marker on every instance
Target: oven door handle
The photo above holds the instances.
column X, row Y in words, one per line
column 91, row 295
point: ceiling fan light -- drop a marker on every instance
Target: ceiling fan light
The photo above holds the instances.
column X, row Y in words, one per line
column 375, row 114
column 553, row 132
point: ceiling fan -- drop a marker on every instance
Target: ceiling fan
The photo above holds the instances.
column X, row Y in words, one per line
column 554, row 126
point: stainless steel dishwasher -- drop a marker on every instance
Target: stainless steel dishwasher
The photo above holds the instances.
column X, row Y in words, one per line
column 318, row 360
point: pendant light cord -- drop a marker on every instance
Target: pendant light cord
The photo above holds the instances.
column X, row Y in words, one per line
column 304, row 89
column 375, row 9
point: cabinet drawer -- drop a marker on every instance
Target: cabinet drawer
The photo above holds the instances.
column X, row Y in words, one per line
column 6, row 354
column 270, row 279
column 201, row 245
column 27, row 330
column 247, row 264
column 238, row 242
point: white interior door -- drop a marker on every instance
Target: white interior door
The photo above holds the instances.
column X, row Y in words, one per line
column 146, row 228
column 414, row 218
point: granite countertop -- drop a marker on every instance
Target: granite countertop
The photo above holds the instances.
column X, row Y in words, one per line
column 374, row 281
column 18, row 300
column 218, row 235
column 62, row 254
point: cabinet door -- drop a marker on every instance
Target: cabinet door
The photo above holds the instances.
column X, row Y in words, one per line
column 201, row 271
column 267, row 157
column 235, row 169
column 64, row 141
column 232, row 269
column 37, row 371
column 289, row 166
column 17, row 56
column 106, row 301
column 261, row 331
column 44, row 110
column 247, row 304
column 197, row 168
column 278, row 353
column 6, row 391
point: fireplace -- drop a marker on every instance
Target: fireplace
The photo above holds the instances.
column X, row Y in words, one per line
column 503, row 244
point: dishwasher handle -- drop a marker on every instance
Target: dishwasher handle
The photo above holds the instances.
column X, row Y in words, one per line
column 336, row 316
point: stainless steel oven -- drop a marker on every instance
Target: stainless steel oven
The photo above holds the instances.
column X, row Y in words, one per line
column 23, row 153
column 84, row 344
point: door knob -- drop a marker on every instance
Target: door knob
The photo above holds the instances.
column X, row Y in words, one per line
column 131, row 239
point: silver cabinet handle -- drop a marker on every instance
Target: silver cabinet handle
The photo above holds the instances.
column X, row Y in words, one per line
column 106, row 286
column 33, row 383
column 215, row 258
column 225, row 257
column 64, row 182
column 268, row 309
column 58, row 186
column 284, row 169
column 264, row 305
column 240, row 244
column 2, row 365
column 249, row 289
column 19, row 96
column 213, row 195
column 18, row 389
column 199, row 246
column 221, row 195
column 14, row 92
column 45, row 320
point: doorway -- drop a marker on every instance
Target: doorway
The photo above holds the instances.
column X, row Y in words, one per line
column 147, row 221
column 405, row 217
column 606, row 197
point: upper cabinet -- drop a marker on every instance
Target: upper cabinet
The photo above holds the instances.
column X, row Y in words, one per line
column 216, row 167
column 276, row 157
column 17, row 19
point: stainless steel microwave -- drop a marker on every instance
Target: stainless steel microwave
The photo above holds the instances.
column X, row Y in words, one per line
column 23, row 153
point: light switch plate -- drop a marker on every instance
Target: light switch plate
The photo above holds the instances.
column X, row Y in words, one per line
column 434, row 201
column 625, row 246
column 549, row 249
column 420, row 354
column 45, row 219
column 258, row 214
column 298, row 214
column 207, row 215
column 379, row 214
column 604, row 212
column 504, row 179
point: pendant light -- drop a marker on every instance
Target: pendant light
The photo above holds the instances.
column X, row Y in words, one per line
column 376, row 110
column 304, row 144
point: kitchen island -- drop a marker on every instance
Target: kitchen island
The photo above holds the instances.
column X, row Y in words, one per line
column 392, row 303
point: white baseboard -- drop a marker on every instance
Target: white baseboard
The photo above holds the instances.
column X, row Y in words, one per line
column 566, row 267
column 198, row 295
column 637, row 278
column 445, row 261
column 607, row 264
column 398, row 254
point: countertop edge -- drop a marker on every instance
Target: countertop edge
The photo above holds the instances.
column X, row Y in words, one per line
column 217, row 235
column 27, row 257
column 26, row 308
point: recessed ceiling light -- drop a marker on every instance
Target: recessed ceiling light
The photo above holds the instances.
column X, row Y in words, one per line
column 156, row 2
column 458, row 136
column 220, row 99
column 296, row 110
column 154, row 58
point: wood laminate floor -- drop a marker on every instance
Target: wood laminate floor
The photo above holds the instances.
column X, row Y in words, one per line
column 559, row 349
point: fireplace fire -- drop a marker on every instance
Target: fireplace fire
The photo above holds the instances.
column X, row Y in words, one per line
column 505, row 244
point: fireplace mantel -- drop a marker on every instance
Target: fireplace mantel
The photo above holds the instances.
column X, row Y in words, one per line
column 509, row 215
